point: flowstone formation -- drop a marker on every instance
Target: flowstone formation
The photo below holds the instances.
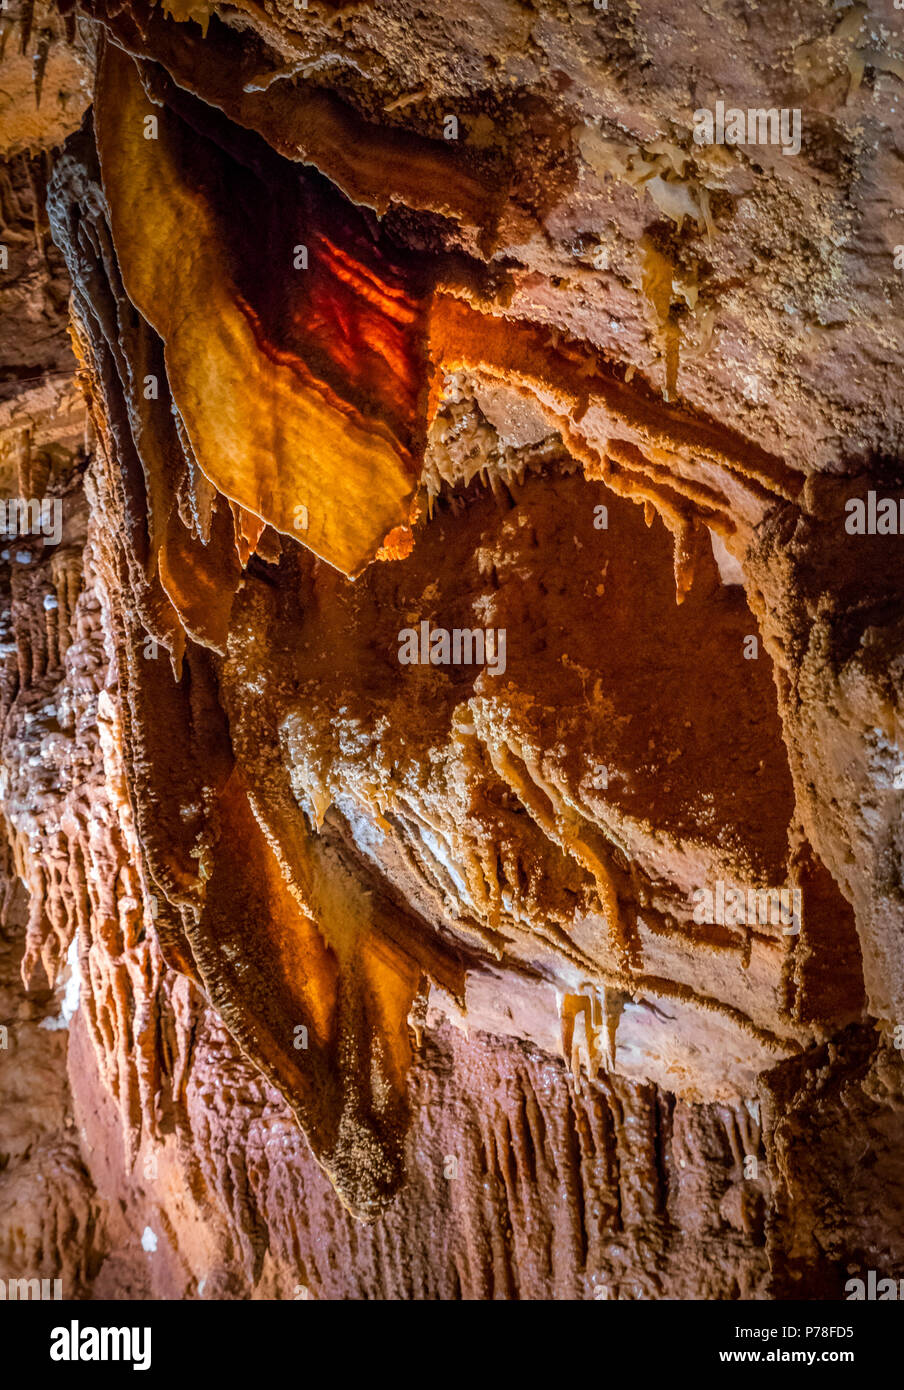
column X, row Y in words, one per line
column 452, row 666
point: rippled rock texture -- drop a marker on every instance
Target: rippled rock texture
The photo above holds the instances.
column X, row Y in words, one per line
column 451, row 731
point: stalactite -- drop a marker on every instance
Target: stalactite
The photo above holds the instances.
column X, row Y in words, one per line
column 437, row 915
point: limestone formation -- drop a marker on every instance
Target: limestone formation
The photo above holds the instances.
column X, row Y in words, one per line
column 451, row 733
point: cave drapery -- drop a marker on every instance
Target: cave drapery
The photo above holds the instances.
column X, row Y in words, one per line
column 406, row 950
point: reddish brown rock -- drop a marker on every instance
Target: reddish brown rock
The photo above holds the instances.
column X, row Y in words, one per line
column 391, row 982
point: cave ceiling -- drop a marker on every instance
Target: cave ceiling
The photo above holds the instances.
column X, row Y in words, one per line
column 458, row 715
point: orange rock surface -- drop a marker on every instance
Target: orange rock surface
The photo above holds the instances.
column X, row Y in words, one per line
column 407, row 950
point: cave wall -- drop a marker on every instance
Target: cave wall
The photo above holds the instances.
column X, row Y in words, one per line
column 379, row 980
